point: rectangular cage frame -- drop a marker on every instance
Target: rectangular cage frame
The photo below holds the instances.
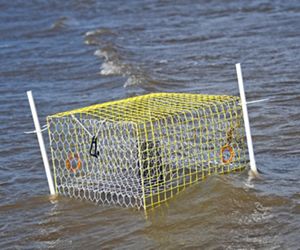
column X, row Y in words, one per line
column 141, row 151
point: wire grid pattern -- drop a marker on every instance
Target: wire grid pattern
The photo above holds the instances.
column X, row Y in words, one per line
column 141, row 151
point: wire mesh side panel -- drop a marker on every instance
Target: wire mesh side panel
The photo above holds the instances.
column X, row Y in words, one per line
column 103, row 172
column 183, row 148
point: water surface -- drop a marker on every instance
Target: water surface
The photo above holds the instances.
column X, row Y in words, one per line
column 76, row 53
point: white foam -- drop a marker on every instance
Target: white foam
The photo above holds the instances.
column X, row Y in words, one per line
column 99, row 32
column 101, row 53
column 90, row 33
column 109, row 68
column 89, row 42
column 163, row 61
column 133, row 80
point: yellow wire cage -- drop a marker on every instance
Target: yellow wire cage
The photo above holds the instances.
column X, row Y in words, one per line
column 141, row 151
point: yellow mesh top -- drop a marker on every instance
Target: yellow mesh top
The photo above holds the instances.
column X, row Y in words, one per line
column 148, row 107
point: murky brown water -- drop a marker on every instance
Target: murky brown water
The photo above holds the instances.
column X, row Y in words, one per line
column 77, row 53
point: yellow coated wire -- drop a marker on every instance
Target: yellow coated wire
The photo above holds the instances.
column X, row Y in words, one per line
column 151, row 146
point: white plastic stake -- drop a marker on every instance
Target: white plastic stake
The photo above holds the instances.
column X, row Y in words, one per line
column 41, row 142
column 246, row 118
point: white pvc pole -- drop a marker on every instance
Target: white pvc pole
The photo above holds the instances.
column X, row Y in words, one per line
column 246, row 118
column 41, row 142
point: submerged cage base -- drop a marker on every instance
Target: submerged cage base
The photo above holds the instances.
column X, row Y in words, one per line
column 143, row 150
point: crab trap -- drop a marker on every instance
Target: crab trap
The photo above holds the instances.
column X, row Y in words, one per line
column 141, row 151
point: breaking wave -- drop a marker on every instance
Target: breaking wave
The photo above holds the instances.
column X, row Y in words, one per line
column 116, row 58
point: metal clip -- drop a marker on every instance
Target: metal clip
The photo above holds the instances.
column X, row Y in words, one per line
column 93, row 149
